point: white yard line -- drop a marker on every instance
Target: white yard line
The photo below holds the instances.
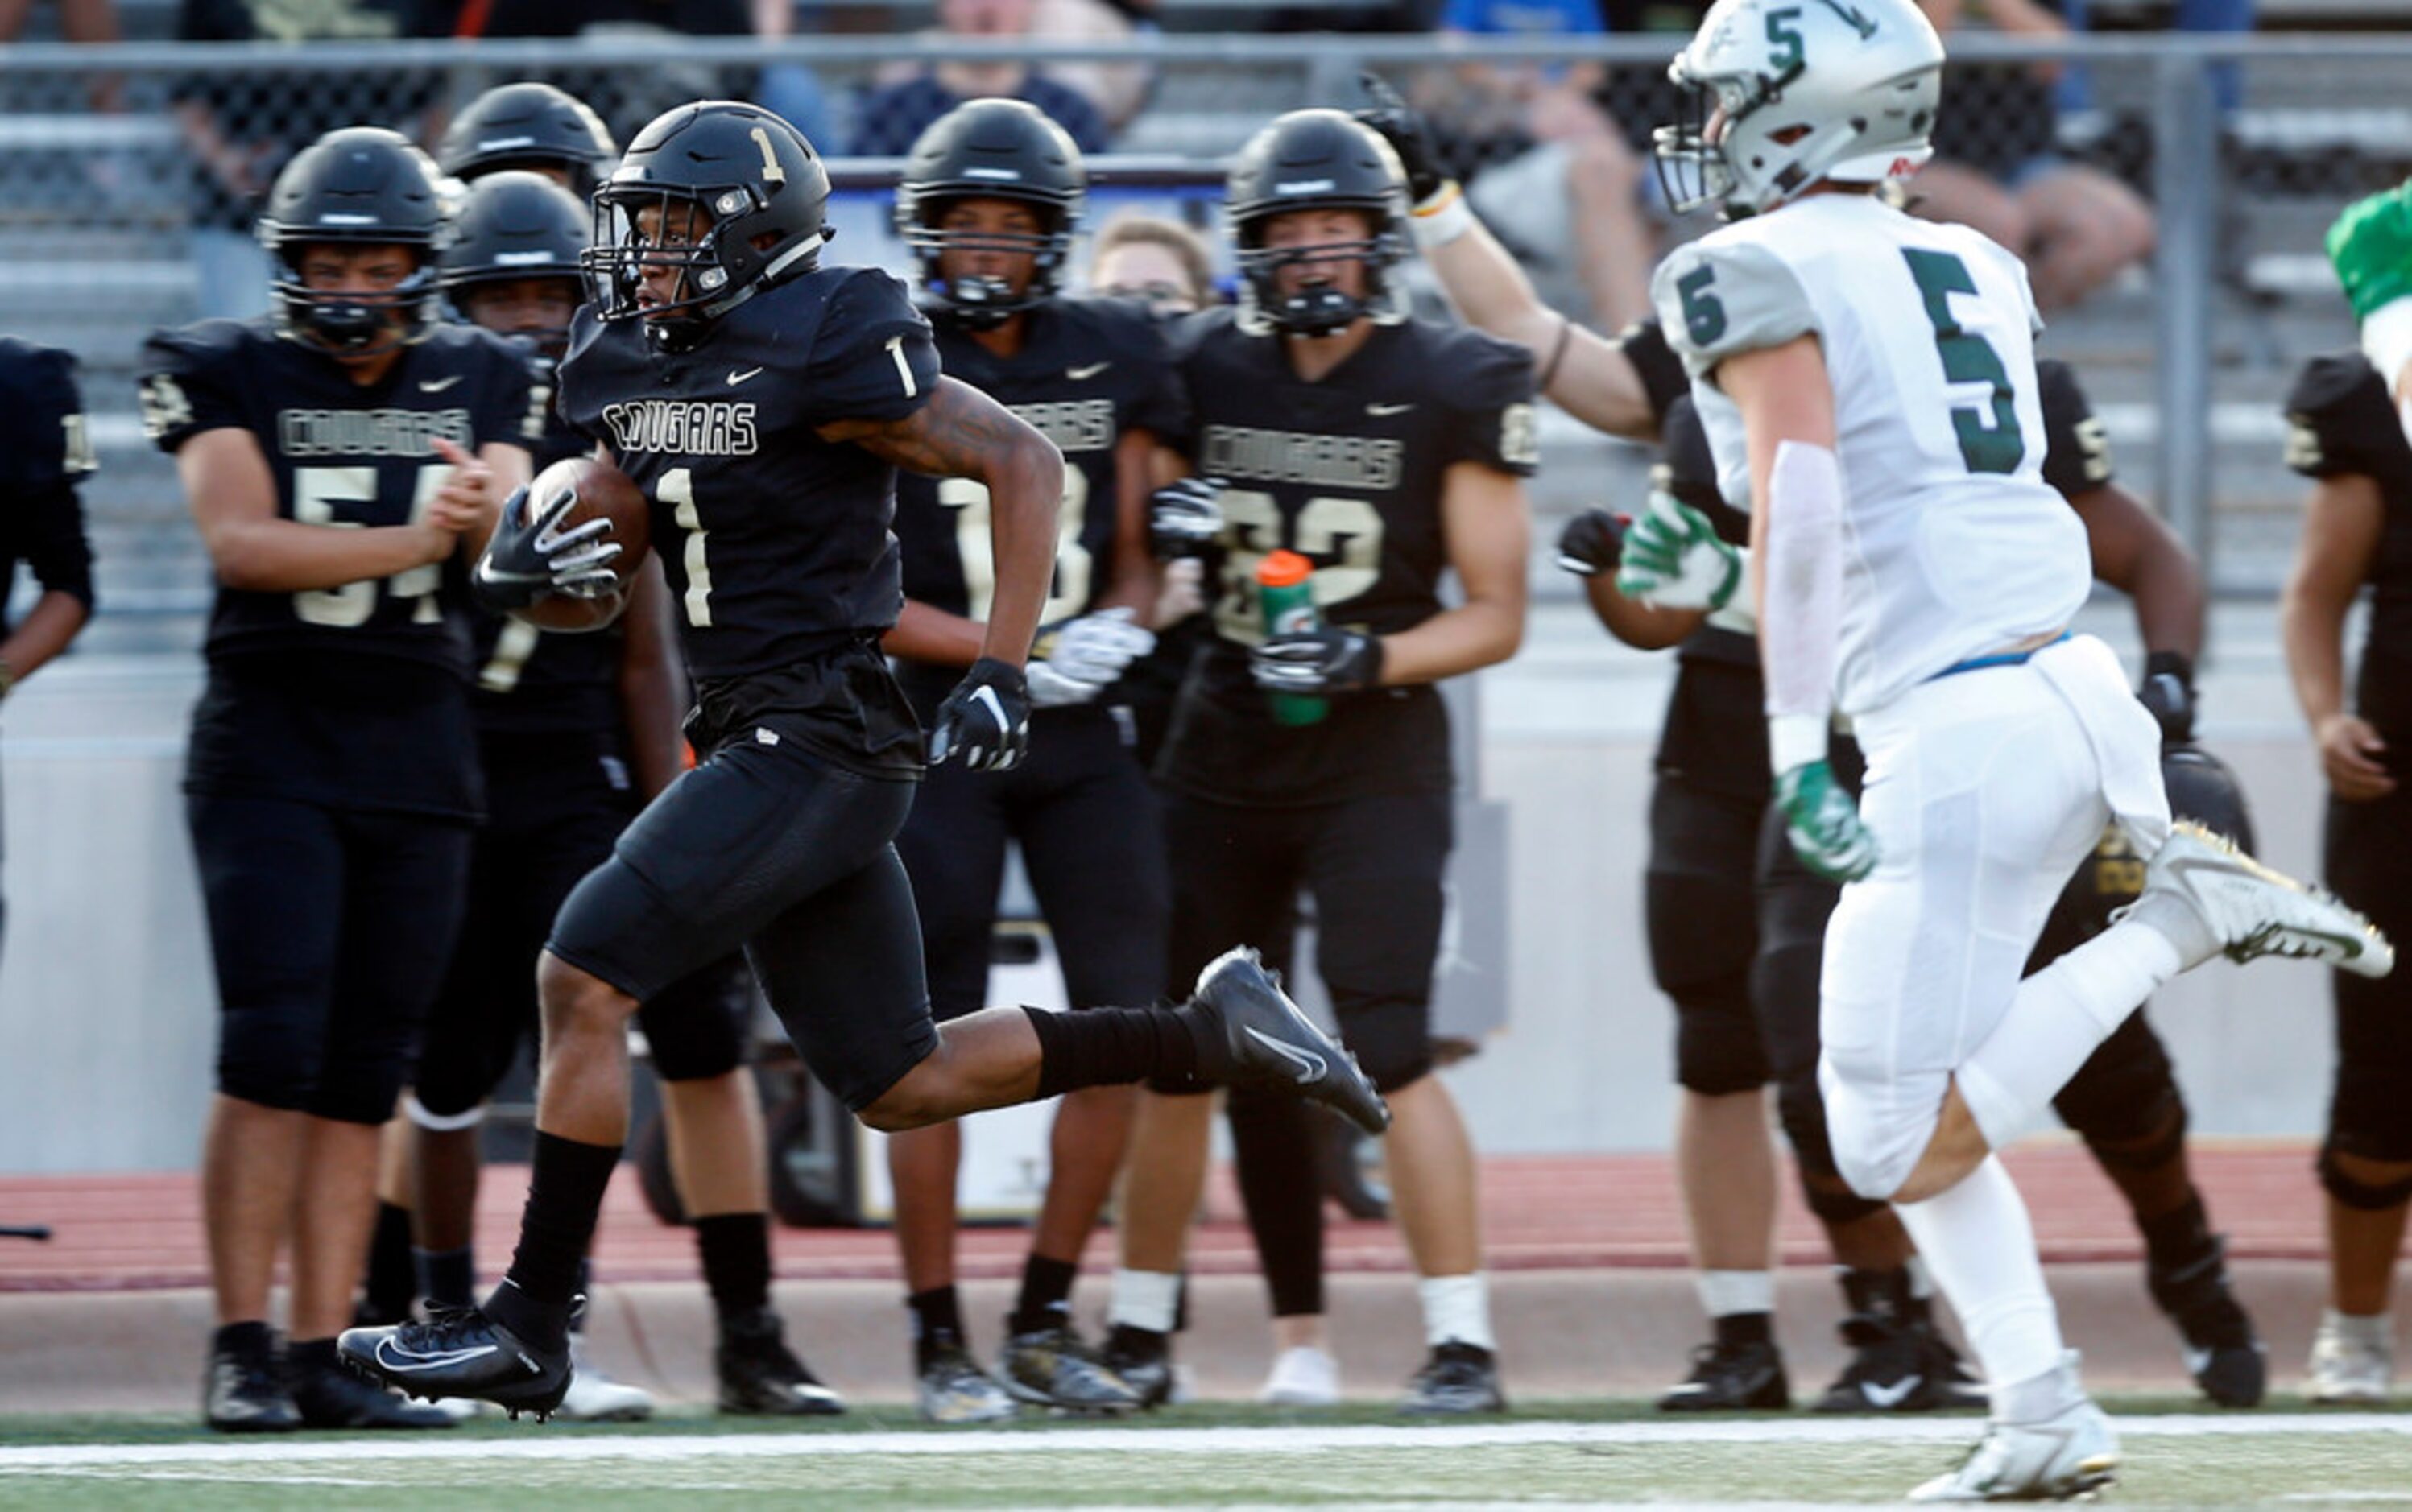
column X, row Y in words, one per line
column 660, row 1448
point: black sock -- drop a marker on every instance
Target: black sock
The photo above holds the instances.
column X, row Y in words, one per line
column 393, row 1283
column 1734, row 1329
column 447, row 1277
column 1107, row 1047
column 245, row 1340
column 937, row 1320
column 310, row 1356
column 735, row 1248
column 565, row 1195
column 2179, row 1238
column 1046, row 1300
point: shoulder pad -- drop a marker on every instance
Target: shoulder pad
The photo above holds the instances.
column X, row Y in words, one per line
column 1719, row 298
column 2341, row 419
column 2077, row 449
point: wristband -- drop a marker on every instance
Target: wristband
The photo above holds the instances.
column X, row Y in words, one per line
column 1796, row 739
column 1442, row 218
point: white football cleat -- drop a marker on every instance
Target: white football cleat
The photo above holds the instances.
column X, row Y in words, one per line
column 2069, row 1454
column 2250, row 910
column 2353, row 1360
column 1304, row 1376
column 596, row 1398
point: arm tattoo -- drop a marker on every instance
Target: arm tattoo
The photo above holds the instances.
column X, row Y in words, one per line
column 961, row 433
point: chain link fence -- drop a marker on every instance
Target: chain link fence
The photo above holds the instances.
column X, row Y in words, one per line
column 128, row 176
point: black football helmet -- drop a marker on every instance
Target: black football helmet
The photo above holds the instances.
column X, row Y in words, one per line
column 2201, row 787
column 993, row 149
column 516, row 224
column 758, row 183
column 527, row 125
column 363, row 186
column 1317, row 160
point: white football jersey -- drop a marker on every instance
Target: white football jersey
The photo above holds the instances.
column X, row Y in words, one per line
column 1954, row 544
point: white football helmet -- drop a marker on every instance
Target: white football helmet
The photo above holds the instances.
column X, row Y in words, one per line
column 1787, row 92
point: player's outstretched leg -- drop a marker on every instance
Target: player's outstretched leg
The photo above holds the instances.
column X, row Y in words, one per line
column 2244, row 910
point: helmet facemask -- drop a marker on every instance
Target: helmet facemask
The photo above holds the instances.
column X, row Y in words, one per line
column 718, row 265
column 981, row 302
column 1318, row 308
column 352, row 324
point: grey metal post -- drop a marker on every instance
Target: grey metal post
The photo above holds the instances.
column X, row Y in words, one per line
column 2185, row 183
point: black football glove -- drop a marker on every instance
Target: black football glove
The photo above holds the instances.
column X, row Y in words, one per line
column 1330, row 660
column 1592, row 543
column 1409, row 135
column 532, row 557
column 2167, row 692
column 986, row 719
column 1185, row 518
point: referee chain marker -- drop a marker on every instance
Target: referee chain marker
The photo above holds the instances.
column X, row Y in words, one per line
column 658, row 1448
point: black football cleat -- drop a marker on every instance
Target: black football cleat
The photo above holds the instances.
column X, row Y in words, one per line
column 1746, row 1376
column 331, row 1396
column 1899, row 1363
column 461, row 1351
column 1143, row 1359
column 1458, row 1379
column 2222, row 1352
column 761, row 1377
column 1055, row 1367
column 1273, row 1045
column 244, row 1392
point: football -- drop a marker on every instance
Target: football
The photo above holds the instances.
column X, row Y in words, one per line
column 604, row 493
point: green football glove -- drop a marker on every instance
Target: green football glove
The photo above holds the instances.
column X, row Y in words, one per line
column 1673, row 559
column 1823, row 824
column 2370, row 248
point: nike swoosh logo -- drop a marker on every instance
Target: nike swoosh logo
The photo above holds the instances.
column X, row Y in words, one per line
column 1310, row 1065
column 436, row 385
column 429, row 1362
column 986, row 698
column 736, row 377
column 1891, row 1396
column 1382, row 411
column 1084, row 375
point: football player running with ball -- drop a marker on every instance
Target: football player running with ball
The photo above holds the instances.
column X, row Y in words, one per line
column 991, row 198
column 763, row 404
column 1868, row 385
column 1384, row 452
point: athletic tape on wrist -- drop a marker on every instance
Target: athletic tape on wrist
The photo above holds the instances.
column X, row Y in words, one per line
column 1441, row 219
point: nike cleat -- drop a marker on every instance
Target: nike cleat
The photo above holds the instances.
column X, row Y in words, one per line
column 244, row 1392
column 1731, row 1377
column 1143, row 1359
column 1459, row 1379
column 2222, row 1352
column 329, row 1396
column 1055, row 1367
column 2069, row 1454
column 761, row 1377
column 2252, row 910
column 461, row 1351
column 2353, row 1361
column 951, row 1387
column 1273, row 1044
column 1899, row 1363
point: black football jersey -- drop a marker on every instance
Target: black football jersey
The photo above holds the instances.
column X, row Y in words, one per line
column 777, row 543
column 44, row 451
column 531, row 683
column 1347, row 472
column 341, row 455
column 1087, row 371
column 353, row 697
column 2343, row 421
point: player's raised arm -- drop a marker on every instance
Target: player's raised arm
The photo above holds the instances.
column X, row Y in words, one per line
column 961, row 432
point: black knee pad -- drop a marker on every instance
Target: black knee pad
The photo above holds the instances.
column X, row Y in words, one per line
column 1391, row 1040
column 2360, row 1196
column 1803, row 1112
column 2125, row 1101
column 1718, row 1051
column 695, row 1028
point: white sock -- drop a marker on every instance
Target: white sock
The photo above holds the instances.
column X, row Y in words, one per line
column 2059, row 1017
column 1725, row 1293
column 1145, row 1300
column 1457, row 1308
column 2376, row 1328
column 1976, row 1242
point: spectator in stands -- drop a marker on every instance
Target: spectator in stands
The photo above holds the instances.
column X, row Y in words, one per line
column 79, row 21
column 243, row 128
column 1997, row 167
column 1148, row 257
column 1571, row 192
column 629, row 97
column 790, row 90
column 1116, row 89
column 893, row 115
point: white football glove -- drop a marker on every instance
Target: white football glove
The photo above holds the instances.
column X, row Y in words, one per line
column 1084, row 657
